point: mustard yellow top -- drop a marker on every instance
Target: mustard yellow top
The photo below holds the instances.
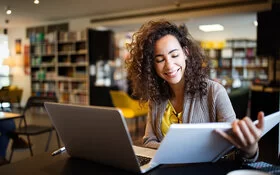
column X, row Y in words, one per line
column 170, row 116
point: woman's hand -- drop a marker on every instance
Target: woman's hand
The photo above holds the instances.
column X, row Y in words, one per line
column 245, row 135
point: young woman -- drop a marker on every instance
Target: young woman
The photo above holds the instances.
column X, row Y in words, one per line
column 169, row 70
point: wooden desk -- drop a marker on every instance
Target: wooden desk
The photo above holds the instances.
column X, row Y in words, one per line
column 9, row 115
column 62, row 164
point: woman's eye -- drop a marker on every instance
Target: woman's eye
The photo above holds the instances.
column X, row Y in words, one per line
column 158, row 60
column 174, row 55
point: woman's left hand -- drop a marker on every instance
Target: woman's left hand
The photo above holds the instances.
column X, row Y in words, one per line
column 245, row 134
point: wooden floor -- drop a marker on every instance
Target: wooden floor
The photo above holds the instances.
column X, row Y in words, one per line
column 39, row 142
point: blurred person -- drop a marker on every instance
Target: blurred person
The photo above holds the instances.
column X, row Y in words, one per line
column 6, row 133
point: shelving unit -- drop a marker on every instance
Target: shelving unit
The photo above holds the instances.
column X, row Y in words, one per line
column 60, row 66
column 237, row 59
column 244, row 60
column 43, row 64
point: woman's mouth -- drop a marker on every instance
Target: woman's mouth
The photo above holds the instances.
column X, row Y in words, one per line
column 172, row 74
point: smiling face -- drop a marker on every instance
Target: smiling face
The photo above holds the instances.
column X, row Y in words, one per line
column 169, row 60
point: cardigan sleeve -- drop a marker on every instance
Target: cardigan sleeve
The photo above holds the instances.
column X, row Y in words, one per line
column 150, row 140
column 224, row 109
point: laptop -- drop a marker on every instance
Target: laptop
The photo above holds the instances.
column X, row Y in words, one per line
column 99, row 134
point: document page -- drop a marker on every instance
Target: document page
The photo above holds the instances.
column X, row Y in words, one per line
column 195, row 143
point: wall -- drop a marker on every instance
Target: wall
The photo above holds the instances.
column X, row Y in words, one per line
column 19, row 78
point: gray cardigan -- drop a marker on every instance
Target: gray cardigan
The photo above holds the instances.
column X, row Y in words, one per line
column 215, row 106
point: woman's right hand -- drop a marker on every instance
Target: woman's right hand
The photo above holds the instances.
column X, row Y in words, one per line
column 245, row 134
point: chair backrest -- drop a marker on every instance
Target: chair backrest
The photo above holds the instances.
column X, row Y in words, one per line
column 15, row 95
column 38, row 101
column 239, row 99
column 123, row 100
column 11, row 95
column 35, row 101
column 4, row 93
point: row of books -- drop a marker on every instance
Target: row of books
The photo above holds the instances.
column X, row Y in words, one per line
column 43, row 74
column 249, row 62
column 72, row 36
column 43, row 87
column 38, row 61
column 71, row 86
column 241, row 43
column 61, row 36
column 44, row 49
column 40, row 93
column 230, row 53
column 239, row 62
column 73, row 98
column 42, row 37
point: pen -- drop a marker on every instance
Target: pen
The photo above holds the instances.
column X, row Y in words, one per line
column 60, row 150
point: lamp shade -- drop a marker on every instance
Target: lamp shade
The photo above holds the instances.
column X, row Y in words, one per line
column 13, row 61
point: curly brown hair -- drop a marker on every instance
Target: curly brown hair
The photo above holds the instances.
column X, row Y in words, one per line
column 146, row 84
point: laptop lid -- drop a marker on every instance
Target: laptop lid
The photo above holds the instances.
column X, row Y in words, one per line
column 99, row 134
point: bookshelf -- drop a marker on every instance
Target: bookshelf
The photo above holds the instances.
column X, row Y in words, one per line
column 43, row 64
column 244, row 60
column 60, row 66
column 237, row 59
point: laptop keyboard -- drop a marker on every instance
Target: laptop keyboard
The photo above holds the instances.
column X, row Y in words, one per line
column 143, row 160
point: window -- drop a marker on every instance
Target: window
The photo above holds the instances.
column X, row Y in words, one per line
column 4, row 53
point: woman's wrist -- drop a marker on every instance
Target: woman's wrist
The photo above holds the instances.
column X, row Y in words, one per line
column 250, row 152
column 246, row 159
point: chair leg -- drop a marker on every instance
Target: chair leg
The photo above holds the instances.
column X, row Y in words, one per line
column 29, row 145
column 58, row 140
column 11, row 155
column 144, row 119
column 136, row 125
column 48, row 142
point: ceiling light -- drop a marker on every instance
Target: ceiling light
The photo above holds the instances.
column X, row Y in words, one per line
column 255, row 23
column 36, row 1
column 211, row 28
column 101, row 28
column 8, row 11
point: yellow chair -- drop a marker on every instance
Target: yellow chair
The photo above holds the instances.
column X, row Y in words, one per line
column 11, row 95
column 130, row 108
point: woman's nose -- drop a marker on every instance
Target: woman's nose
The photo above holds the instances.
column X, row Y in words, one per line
column 168, row 63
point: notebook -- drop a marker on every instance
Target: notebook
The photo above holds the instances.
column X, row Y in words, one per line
column 99, row 134
column 194, row 143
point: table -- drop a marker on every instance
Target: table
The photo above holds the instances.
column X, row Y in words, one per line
column 62, row 164
column 9, row 115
